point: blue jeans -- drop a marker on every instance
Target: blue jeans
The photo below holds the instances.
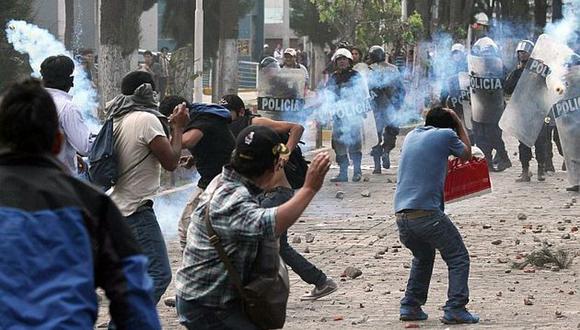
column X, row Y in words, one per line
column 146, row 231
column 422, row 236
column 195, row 316
column 300, row 265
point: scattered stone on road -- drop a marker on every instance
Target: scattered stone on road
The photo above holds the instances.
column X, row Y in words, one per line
column 351, row 272
column 365, row 193
column 340, row 194
column 309, row 238
column 169, row 302
column 496, row 242
column 486, row 226
column 522, row 216
column 296, row 240
column 528, row 302
column 566, row 236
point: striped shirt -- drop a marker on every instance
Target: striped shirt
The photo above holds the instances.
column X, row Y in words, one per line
column 240, row 223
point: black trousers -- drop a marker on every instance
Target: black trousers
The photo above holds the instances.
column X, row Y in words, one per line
column 552, row 134
column 541, row 147
column 488, row 137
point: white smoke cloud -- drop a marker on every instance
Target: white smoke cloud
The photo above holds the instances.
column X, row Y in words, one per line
column 39, row 44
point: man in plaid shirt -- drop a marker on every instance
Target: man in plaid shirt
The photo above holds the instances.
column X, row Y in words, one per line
column 206, row 297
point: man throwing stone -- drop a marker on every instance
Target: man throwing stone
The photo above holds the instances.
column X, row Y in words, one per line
column 423, row 225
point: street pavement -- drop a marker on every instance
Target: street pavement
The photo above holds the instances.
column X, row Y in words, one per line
column 498, row 229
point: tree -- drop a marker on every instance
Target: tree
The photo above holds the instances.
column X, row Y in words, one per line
column 12, row 64
column 69, row 28
column 305, row 21
column 119, row 40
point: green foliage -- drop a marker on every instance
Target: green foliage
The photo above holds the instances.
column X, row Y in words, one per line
column 12, row 64
column 305, row 20
column 368, row 22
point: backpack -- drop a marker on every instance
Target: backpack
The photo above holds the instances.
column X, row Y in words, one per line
column 295, row 168
column 103, row 163
column 265, row 297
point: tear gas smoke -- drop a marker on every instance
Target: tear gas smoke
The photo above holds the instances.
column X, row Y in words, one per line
column 169, row 205
column 39, row 44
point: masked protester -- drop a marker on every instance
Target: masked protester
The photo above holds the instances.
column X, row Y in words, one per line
column 388, row 93
column 523, row 51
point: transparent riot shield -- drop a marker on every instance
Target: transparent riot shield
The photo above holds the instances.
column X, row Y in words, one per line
column 486, row 88
column 567, row 114
column 281, row 92
column 465, row 98
column 525, row 112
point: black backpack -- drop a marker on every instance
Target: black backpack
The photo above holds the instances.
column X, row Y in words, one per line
column 103, row 163
column 296, row 169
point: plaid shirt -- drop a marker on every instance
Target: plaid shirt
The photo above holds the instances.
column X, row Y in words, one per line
column 240, row 223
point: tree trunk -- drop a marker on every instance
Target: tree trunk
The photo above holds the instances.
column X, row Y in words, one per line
column 181, row 71
column 423, row 7
column 468, row 12
column 540, row 9
column 69, row 27
column 556, row 10
column 119, row 40
column 455, row 14
column 227, row 59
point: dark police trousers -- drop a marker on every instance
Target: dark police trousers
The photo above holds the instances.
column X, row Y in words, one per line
column 488, row 137
column 541, row 146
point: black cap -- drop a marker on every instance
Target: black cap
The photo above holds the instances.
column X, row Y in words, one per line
column 259, row 142
column 232, row 102
column 57, row 67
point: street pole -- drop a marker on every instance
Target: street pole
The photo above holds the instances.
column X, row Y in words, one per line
column 198, row 53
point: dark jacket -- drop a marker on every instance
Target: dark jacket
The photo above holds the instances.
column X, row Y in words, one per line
column 61, row 239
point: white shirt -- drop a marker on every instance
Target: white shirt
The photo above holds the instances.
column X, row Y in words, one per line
column 76, row 133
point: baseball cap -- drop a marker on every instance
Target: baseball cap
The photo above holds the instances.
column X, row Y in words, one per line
column 232, row 102
column 290, row 51
column 258, row 143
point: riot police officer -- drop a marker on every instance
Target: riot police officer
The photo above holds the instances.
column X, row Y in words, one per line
column 487, row 101
column 348, row 90
column 387, row 93
column 523, row 51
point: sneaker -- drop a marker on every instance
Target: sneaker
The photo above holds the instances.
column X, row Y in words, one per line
column 356, row 177
column 319, row 292
column 503, row 165
column 575, row 188
column 459, row 317
column 412, row 313
column 377, row 170
column 525, row 176
column 339, row 178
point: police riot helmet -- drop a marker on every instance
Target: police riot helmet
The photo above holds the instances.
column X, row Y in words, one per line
column 485, row 47
column 269, row 62
column 342, row 52
column 377, row 54
column 458, row 48
column 525, row 46
column 481, row 19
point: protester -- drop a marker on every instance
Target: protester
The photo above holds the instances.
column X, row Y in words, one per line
column 142, row 146
column 57, row 77
column 208, row 138
column 282, row 191
column 151, row 66
column 206, row 298
column 61, row 238
column 423, row 225
column 164, row 63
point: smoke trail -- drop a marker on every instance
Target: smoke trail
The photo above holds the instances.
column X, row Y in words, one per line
column 39, row 44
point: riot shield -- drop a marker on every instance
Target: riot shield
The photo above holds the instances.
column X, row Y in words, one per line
column 464, row 98
column 567, row 113
column 281, row 92
column 486, row 88
column 525, row 112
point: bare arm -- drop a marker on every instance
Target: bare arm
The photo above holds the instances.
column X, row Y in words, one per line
column 463, row 136
column 290, row 211
column 166, row 151
column 191, row 138
column 294, row 131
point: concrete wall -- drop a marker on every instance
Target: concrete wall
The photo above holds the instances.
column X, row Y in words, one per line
column 45, row 14
column 149, row 29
